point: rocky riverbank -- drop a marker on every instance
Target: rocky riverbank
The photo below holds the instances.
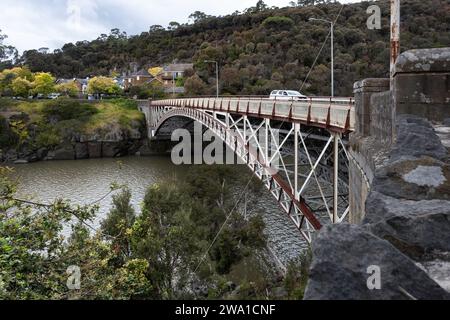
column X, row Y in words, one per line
column 406, row 231
column 69, row 130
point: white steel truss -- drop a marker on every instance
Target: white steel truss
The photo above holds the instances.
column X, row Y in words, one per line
column 306, row 173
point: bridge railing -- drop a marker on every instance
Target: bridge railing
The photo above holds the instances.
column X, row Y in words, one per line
column 323, row 111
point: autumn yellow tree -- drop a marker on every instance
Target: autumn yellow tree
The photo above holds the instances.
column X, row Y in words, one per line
column 155, row 71
column 44, row 83
column 9, row 76
column 103, row 85
column 21, row 87
column 69, row 89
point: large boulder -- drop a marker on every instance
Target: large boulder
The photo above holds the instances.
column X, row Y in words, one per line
column 446, row 122
column 417, row 168
column 41, row 153
column 422, row 178
column 417, row 228
column 11, row 155
column 342, row 255
column 416, row 138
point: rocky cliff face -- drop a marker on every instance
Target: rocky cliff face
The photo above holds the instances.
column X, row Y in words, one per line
column 111, row 141
column 406, row 230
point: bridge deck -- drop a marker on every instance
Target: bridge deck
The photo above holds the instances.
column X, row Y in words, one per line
column 332, row 113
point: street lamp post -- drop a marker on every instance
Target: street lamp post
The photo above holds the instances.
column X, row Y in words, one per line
column 332, row 50
column 217, row 75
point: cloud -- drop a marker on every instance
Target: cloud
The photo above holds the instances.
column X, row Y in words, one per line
column 32, row 24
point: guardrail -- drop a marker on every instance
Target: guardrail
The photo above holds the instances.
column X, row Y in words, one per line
column 334, row 113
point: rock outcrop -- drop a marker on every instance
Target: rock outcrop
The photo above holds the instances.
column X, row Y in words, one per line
column 416, row 138
column 343, row 255
column 113, row 141
column 405, row 232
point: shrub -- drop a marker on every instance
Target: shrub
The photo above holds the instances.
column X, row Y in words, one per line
column 147, row 91
column 297, row 276
column 48, row 139
column 65, row 109
column 278, row 22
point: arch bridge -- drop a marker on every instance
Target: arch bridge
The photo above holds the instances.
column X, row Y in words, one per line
column 298, row 149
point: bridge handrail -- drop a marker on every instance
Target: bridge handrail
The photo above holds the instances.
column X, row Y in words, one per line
column 338, row 113
column 349, row 100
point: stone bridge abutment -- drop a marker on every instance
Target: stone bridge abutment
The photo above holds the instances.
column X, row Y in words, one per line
column 399, row 190
column 421, row 88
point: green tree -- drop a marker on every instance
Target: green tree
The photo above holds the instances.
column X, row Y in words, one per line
column 8, row 54
column 260, row 6
column 156, row 28
column 278, row 22
column 119, row 222
column 195, row 86
column 210, row 189
column 32, row 255
column 162, row 235
column 198, row 16
column 173, row 25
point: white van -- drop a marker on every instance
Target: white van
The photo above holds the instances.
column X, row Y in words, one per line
column 287, row 95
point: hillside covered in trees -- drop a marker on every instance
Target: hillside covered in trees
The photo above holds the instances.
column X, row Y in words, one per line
column 259, row 50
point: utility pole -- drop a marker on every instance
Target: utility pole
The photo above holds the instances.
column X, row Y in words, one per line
column 395, row 36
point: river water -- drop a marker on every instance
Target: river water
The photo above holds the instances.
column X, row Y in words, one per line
column 86, row 181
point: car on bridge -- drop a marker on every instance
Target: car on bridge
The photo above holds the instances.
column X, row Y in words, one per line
column 290, row 95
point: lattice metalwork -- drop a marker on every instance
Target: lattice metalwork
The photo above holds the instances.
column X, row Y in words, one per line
column 302, row 163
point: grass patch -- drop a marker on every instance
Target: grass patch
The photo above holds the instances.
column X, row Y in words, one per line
column 118, row 112
column 7, row 103
column 125, row 104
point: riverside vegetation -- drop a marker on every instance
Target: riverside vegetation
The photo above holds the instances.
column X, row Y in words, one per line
column 159, row 253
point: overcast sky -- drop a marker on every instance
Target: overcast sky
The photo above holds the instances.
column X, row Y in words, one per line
column 32, row 24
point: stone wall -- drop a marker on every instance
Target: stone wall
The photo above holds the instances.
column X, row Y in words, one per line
column 382, row 126
column 422, row 83
column 370, row 141
column 363, row 91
